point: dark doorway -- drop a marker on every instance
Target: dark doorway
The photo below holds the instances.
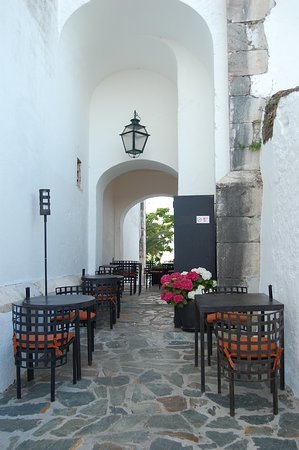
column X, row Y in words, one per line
column 194, row 233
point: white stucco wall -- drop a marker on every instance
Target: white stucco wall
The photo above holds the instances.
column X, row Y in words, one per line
column 281, row 29
column 280, row 231
column 280, row 168
column 41, row 137
column 131, row 230
column 114, row 101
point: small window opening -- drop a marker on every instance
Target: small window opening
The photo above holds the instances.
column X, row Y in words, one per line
column 79, row 173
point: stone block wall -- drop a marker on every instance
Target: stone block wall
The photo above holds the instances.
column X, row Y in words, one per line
column 239, row 194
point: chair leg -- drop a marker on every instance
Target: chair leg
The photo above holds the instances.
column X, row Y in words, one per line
column 30, row 371
column 18, row 379
column 93, row 325
column 209, row 341
column 111, row 316
column 231, row 396
column 74, row 364
column 274, row 392
column 218, row 372
column 53, row 378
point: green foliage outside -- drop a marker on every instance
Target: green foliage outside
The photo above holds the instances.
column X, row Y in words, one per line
column 159, row 234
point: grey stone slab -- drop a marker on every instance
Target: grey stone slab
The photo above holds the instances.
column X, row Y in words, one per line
column 75, row 398
column 150, row 375
column 11, row 425
column 108, row 446
column 128, row 422
column 266, row 443
column 244, row 159
column 70, row 426
column 246, row 109
column 167, row 444
column 224, row 423
column 129, row 437
column 221, row 438
column 238, row 445
column 249, row 401
column 248, row 10
column 48, row 444
column 239, row 85
column 98, row 427
column 117, row 395
column 258, row 419
column 241, row 136
column 160, row 389
column 48, row 427
column 195, row 418
column 149, row 408
column 238, row 229
column 23, row 409
column 238, row 200
column 39, row 390
column 168, row 422
column 252, row 62
column 237, row 37
column 192, row 392
column 113, row 381
column 238, row 260
column 175, row 379
column 140, row 394
column 97, row 408
column 289, row 425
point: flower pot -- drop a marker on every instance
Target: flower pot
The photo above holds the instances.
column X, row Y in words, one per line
column 185, row 317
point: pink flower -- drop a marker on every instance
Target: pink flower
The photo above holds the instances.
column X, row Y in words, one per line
column 192, row 276
column 165, row 279
column 178, row 298
column 168, row 296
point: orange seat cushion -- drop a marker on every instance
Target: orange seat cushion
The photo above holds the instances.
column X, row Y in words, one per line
column 252, row 348
column 50, row 341
column 83, row 316
column 229, row 316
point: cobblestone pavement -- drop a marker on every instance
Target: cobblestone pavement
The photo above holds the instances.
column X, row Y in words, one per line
column 143, row 392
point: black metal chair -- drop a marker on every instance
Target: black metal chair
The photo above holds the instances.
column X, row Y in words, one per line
column 106, row 295
column 73, row 290
column 251, row 353
column 130, row 272
column 41, row 340
column 209, row 321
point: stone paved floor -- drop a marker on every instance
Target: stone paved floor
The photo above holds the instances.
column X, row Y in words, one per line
column 143, row 392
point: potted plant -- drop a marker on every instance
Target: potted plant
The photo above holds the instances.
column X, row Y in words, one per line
column 179, row 290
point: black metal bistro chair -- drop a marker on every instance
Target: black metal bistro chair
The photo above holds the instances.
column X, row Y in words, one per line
column 105, row 292
column 41, row 340
column 130, row 272
column 210, row 319
column 73, row 290
column 249, row 353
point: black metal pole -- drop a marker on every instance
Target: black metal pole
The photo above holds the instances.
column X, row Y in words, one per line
column 45, row 241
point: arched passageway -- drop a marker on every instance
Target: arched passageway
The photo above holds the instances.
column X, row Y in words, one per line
column 162, row 65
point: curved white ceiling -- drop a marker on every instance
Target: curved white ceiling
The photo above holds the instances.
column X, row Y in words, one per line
column 112, row 35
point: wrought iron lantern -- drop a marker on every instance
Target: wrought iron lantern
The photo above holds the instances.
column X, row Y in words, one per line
column 44, row 210
column 134, row 137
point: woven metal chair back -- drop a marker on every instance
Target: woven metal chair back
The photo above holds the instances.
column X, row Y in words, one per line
column 41, row 335
column 251, row 350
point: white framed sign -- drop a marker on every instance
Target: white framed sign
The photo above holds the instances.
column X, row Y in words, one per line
column 202, row 219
